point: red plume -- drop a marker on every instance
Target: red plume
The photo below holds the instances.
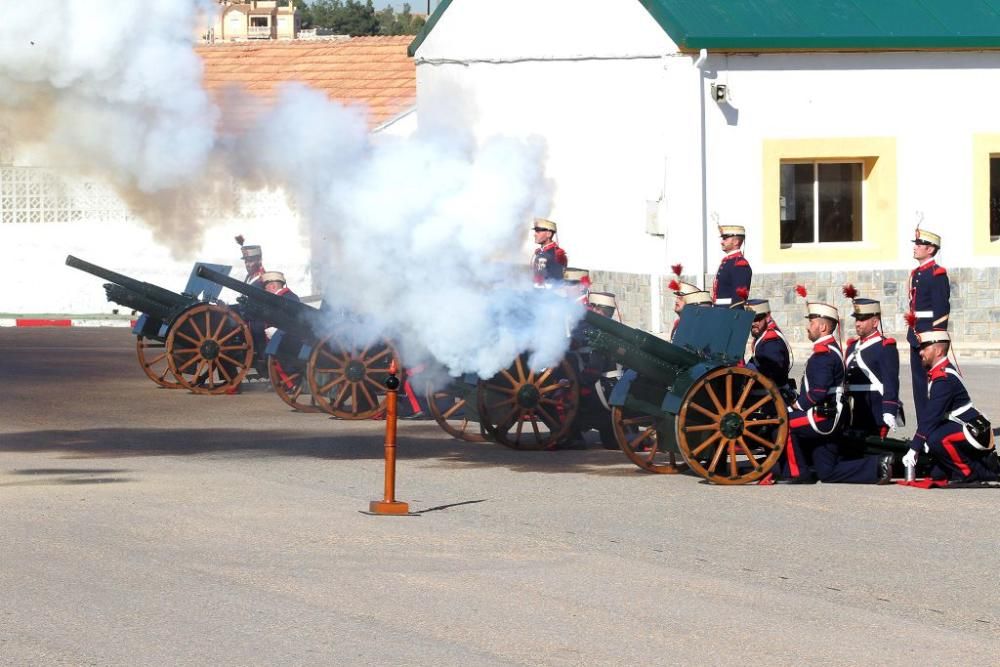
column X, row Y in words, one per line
column 673, row 286
column 677, row 268
column 742, row 293
column 239, row 239
column 911, row 318
column 850, row 291
column 585, row 281
column 801, row 290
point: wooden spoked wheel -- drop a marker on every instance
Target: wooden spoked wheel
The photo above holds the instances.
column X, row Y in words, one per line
column 636, row 435
column 350, row 383
column 732, row 426
column 290, row 386
column 527, row 409
column 453, row 411
column 152, row 355
column 210, row 349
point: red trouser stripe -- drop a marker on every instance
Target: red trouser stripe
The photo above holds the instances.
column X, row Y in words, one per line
column 948, row 442
column 411, row 396
column 793, row 464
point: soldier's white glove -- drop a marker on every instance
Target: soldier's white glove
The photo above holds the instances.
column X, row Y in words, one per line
column 910, row 460
column 890, row 420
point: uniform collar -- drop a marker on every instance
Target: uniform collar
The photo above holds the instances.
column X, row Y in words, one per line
column 926, row 264
column 937, row 370
column 872, row 335
column 731, row 255
column 825, row 340
column 550, row 244
column 282, row 291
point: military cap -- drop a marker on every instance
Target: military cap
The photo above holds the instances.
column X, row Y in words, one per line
column 601, row 299
column 732, row 230
column 933, row 336
column 817, row 309
column 759, row 307
column 251, row 252
column 924, row 237
column 698, row 298
column 681, row 288
column 866, row 308
column 575, row 275
column 544, row 225
column 272, row 276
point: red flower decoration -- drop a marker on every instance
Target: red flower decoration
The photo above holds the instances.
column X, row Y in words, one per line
column 801, row 290
column 673, row 285
column 585, row 281
column 677, row 268
column 742, row 293
column 239, row 239
column 911, row 318
column 850, row 291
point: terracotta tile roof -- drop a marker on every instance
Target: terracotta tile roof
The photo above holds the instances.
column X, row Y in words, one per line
column 374, row 71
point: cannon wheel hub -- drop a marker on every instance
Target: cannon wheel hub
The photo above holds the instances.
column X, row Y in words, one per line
column 731, row 425
column 527, row 396
column 356, row 371
column 210, row 349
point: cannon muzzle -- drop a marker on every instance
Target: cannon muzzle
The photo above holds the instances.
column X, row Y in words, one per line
column 145, row 291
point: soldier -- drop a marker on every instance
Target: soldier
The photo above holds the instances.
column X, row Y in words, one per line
column 549, row 260
column 816, row 415
column 929, row 293
column 872, row 370
column 770, row 353
column 253, row 260
column 577, row 282
column 734, row 270
column 684, row 294
column 274, row 282
column 957, row 436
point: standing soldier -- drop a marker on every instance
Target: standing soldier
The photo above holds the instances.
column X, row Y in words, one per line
column 253, row 260
column 957, row 436
column 929, row 293
column 872, row 370
column 549, row 260
column 770, row 353
column 816, row 414
column 732, row 280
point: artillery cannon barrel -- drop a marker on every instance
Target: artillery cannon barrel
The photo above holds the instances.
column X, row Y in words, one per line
column 291, row 316
column 147, row 290
column 126, row 297
column 640, row 340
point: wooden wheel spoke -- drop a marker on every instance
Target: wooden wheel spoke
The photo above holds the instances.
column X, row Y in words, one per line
column 520, row 369
column 538, row 433
column 729, row 391
column 229, row 335
column 635, row 420
column 453, row 409
column 218, row 329
column 643, row 435
column 504, row 424
column 703, row 427
column 342, row 395
column 711, row 415
column 502, row 390
column 746, row 392
column 517, row 431
column 550, row 388
column 549, row 420
column 181, row 334
column 756, row 405
column 378, row 387
column 759, row 440
column 510, row 378
column 373, row 359
column 543, row 377
column 325, row 389
column 721, row 447
column 329, row 354
column 354, row 396
column 746, row 450
column 714, row 398
column 156, row 360
column 208, row 323
column 229, row 348
column 190, row 361
column 734, row 470
column 194, row 327
column 762, row 422
column 223, row 373
column 703, row 446
column 234, row 362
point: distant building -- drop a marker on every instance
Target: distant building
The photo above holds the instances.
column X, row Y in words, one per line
column 253, row 19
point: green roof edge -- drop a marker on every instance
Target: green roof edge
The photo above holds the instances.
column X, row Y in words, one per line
column 426, row 30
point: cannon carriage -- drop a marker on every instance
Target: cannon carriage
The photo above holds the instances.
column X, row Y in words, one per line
column 183, row 340
column 312, row 364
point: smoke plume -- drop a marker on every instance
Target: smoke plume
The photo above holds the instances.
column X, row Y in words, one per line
column 422, row 238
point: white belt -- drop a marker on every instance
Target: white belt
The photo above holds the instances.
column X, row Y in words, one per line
column 723, row 302
column 860, row 387
column 924, row 313
column 957, row 411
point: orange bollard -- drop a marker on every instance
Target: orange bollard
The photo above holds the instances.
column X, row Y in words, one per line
column 389, row 504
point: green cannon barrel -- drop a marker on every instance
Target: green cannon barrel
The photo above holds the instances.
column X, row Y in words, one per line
column 643, row 352
column 171, row 300
column 294, row 317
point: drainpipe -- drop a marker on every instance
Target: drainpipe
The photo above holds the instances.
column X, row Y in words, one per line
column 699, row 63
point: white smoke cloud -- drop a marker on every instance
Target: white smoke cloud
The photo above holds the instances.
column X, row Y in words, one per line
column 423, row 237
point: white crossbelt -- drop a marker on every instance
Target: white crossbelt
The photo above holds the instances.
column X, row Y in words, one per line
column 924, row 313
column 861, row 387
column 723, row 302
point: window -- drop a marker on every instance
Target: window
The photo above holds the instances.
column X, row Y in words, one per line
column 820, row 202
column 260, row 21
column 994, row 197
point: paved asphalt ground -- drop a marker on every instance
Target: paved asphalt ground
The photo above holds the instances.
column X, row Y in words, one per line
column 143, row 526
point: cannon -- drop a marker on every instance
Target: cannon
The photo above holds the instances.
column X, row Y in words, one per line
column 181, row 340
column 344, row 380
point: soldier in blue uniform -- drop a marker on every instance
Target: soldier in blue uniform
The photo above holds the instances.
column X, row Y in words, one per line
column 872, row 371
column 253, row 260
column 274, row 282
column 929, row 293
column 770, row 353
column 549, row 260
column 732, row 280
column 687, row 294
column 817, row 415
column 957, row 436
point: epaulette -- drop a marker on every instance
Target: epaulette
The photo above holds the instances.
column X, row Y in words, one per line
column 851, row 341
column 938, row 374
column 888, row 341
column 940, row 271
column 742, row 262
column 770, row 334
column 821, row 347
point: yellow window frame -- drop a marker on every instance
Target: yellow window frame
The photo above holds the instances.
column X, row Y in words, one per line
column 984, row 146
column 879, row 214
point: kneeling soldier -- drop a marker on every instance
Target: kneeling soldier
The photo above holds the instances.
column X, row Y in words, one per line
column 770, row 354
column 872, row 370
column 815, row 416
column 957, row 436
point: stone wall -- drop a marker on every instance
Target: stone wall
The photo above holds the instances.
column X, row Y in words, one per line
column 975, row 302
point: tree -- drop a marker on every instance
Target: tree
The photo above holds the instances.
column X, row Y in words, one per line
column 345, row 18
column 403, row 23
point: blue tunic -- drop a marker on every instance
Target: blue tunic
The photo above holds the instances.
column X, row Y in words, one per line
column 873, row 381
column 734, row 273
